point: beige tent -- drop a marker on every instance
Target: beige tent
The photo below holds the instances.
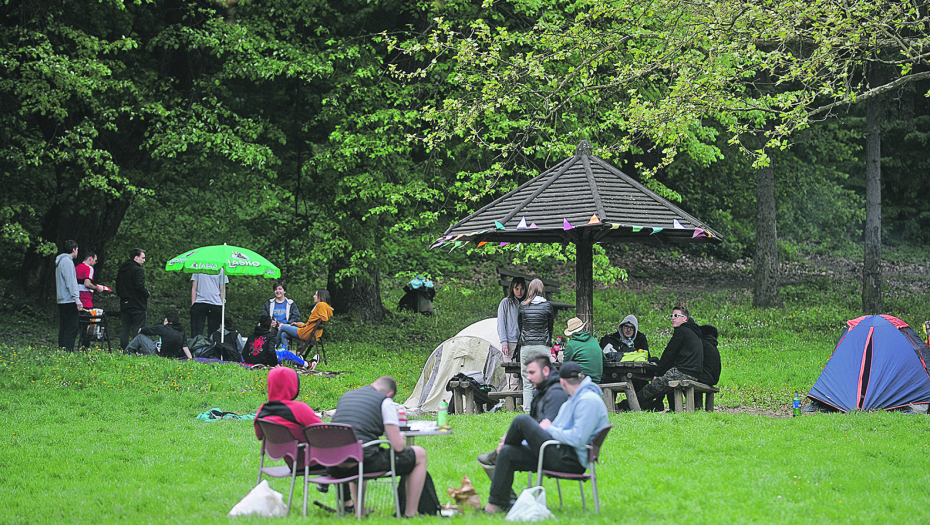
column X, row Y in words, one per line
column 475, row 349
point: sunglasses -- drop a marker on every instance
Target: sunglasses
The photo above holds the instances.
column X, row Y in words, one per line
column 672, row 316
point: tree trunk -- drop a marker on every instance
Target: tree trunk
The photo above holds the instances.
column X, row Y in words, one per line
column 766, row 293
column 584, row 283
column 358, row 296
column 872, row 269
column 92, row 228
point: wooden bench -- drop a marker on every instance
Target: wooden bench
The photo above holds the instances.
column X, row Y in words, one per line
column 550, row 287
column 510, row 398
column 610, row 391
column 463, row 397
column 687, row 389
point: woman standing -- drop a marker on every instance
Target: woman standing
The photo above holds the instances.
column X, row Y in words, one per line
column 535, row 318
column 508, row 330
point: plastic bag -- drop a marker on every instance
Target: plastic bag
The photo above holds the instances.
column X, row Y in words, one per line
column 530, row 506
column 262, row 501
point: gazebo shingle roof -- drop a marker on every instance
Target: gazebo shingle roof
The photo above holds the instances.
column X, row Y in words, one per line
column 581, row 198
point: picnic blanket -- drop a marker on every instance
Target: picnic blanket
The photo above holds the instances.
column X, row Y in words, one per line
column 215, row 414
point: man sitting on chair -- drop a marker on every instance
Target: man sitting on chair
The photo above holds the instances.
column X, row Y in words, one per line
column 371, row 413
column 548, row 398
column 579, row 420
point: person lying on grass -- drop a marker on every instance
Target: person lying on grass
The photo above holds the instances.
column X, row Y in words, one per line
column 283, row 388
column 173, row 341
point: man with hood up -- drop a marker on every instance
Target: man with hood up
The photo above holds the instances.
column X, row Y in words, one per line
column 583, row 349
column 579, row 420
column 69, row 299
column 283, row 388
column 627, row 338
column 683, row 358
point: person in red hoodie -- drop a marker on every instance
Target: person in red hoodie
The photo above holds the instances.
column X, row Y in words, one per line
column 283, row 387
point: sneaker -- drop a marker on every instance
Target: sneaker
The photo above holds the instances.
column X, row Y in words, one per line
column 488, row 458
column 314, row 361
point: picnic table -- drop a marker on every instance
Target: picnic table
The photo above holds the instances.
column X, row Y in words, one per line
column 618, row 377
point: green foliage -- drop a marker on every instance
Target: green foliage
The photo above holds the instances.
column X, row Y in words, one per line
column 124, row 428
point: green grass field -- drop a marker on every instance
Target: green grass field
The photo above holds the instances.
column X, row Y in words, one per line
column 94, row 437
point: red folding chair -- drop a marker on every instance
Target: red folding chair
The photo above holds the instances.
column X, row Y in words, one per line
column 594, row 452
column 336, row 445
column 279, row 444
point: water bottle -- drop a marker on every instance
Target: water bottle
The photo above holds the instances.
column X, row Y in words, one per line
column 796, row 409
column 443, row 420
column 401, row 415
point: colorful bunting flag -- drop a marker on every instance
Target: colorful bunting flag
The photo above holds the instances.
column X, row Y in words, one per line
column 458, row 237
column 656, row 230
column 677, row 224
column 448, row 237
column 565, row 225
column 499, row 226
column 533, row 226
column 699, row 232
column 637, row 229
column 504, row 243
column 482, row 243
column 594, row 220
column 522, row 225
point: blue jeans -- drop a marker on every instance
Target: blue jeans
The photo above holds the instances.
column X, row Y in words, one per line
column 284, row 355
column 286, row 332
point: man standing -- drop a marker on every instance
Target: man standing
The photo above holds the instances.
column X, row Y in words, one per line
column 85, row 278
column 69, row 300
column 170, row 333
column 583, row 349
column 682, row 359
column 548, row 398
column 207, row 297
column 579, row 419
column 370, row 410
column 133, row 296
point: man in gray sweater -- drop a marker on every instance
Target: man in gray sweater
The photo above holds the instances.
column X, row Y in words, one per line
column 69, row 299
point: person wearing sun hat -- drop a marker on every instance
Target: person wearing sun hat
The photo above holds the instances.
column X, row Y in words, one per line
column 583, row 349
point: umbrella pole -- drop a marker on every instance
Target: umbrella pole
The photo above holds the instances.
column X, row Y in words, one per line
column 222, row 310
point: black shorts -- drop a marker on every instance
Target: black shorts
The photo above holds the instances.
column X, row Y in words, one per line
column 379, row 460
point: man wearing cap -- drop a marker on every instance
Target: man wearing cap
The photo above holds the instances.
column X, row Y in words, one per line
column 682, row 359
column 583, row 349
column 579, row 419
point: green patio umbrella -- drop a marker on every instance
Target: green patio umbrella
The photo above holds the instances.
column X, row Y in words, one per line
column 223, row 260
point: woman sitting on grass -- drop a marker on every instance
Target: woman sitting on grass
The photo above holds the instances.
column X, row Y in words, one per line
column 312, row 330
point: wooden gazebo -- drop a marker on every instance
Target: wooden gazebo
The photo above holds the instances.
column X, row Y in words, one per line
column 582, row 200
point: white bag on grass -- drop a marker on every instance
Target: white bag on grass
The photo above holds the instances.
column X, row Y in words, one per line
column 263, row 501
column 530, row 506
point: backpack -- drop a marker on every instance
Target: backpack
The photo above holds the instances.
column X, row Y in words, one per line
column 203, row 346
column 260, row 351
column 429, row 500
column 229, row 348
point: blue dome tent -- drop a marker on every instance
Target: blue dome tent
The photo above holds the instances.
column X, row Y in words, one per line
column 879, row 363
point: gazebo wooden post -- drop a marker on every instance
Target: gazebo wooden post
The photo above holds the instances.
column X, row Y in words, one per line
column 584, row 282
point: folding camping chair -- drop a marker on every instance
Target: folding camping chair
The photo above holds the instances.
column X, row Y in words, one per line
column 278, row 443
column 594, row 452
column 302, row 347
column 333, row 444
